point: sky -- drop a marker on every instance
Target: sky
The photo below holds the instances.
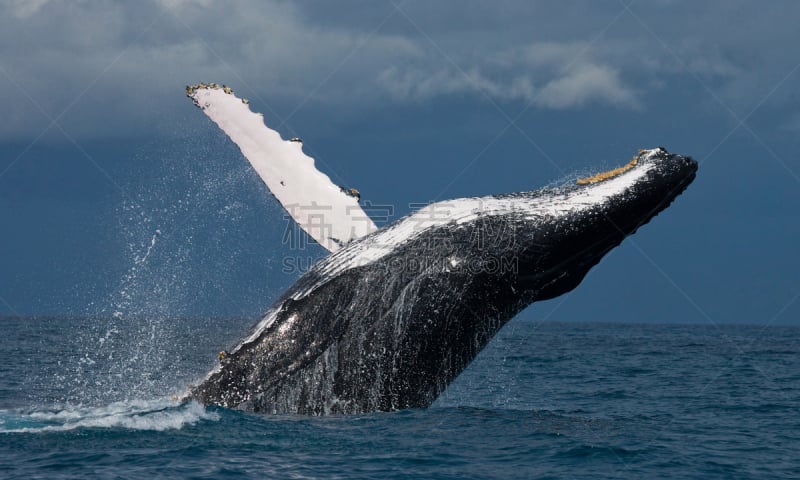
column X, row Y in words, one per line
column 118, row 197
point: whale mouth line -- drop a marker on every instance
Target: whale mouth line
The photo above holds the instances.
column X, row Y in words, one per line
column 611, row 173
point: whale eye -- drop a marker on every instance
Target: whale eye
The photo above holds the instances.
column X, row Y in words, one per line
column 611, row 173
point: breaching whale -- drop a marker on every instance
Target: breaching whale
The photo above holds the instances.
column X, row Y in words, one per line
column 393, row 315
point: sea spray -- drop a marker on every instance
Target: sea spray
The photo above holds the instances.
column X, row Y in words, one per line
column 140, row 330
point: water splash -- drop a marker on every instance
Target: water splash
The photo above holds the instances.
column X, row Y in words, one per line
column 156, row 415
column 150, row 248
column 136, row 346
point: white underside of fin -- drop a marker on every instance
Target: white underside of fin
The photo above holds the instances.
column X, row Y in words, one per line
column 329, row 214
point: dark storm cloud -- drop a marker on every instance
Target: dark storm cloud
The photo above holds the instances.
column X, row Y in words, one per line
column 117, row 68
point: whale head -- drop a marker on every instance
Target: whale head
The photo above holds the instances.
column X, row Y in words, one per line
column 576, row 225
column 541, row 243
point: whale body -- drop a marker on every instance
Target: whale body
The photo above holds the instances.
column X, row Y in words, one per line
column 393, row 315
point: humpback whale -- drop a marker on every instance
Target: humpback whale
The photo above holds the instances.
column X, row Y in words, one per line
column 393, row 315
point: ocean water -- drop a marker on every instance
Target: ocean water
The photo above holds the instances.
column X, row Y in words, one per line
column 92, row 398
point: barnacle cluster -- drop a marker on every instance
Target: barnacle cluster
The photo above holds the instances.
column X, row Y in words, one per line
column 192, row 89
column 351, row 192
column 611, row 173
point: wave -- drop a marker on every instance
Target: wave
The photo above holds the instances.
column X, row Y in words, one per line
column 154, row 415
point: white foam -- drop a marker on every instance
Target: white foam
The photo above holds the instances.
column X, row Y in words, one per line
column 158, row 415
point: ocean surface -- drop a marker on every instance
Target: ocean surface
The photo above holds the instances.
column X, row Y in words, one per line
column 92, row 398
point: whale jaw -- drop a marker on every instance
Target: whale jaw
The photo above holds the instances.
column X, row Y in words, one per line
column 563, row 249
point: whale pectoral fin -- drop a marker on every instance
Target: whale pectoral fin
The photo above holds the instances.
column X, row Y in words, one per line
column 330, row 214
